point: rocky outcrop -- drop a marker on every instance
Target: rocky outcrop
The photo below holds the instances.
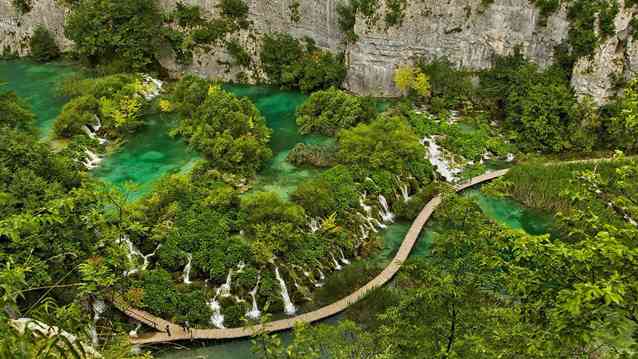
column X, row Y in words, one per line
column 615, row 61
column 464, row 31
column 16, row 29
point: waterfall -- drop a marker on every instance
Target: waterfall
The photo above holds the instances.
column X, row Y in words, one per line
column 289, row 307
column 371, row 222
column 254, row 313
column 510, row 157
column 438, row 161
column 217, row 319
column 322, row 277
column 187, row 269
column 366, row 208
column 92, row 130
column 240, row 267
column 99, row 307
column 42, row 329
column 311, row 278
column 134, row 333
column 314, row 225
column 386, row 214
column 343, row 258
column 131, row 251
column 92, row 161
column 365, row 233
column 224, row 290
column 154, row 86
column 405, row 190
column 337, row 265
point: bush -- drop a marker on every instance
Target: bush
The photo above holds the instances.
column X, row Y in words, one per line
column 289, row 64
column 43, row 46
column 23, row 6
column 116, row 35
column 228, row 131
column 328, row 111
column 75, row 114
column 313, row 155
column 236, row 10
column 450, row 87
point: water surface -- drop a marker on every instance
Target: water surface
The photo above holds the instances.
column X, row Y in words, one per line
column 38, row 85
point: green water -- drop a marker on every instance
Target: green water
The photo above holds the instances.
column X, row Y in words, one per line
column 278, row 108
column 511, row 213
column 37, row 84
column 147, row 156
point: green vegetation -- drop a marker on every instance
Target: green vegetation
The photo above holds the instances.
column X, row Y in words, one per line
column 385, row 148
column 328, row 111
column 229, row 131
column 116, row 101
column 450, row 88
column 290, row 63
column 22, row 6
column 347, row 11
column 116, row 35
column 322, row 155
column 43, row 46
column 395, row 12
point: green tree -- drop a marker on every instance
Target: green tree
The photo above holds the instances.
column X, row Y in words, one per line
column 116, row 35
column 331, row 110
column 229, row 131
column 43, row 46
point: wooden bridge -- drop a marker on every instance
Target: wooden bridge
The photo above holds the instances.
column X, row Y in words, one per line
column 178, row 333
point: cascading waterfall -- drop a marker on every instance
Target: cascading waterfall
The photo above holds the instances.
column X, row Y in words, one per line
column 240, row 267
column 224, row 290
column 435, row 155
column 92, row 130
column 217, row 319
column 99, row 307
column 45, row 330
column 92, row 160
column 187, row 269
column 385, row 213
column 343, row 258
column 254, row 313
column 289, row 307
column 510, row 157
column 154, row 87
column 132, row 250
column 337, row 265
column 314, row 225
column 405, row 190
column 134, row 333
column 365, row 233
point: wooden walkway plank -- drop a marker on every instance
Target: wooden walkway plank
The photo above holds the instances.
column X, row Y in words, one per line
column 178, row 333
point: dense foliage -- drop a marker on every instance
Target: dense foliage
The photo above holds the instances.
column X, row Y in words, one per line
column 116, row 101
column 43, row 46
column 328, row 111
column 117, row 35
column 290, row 63
column 229, row 131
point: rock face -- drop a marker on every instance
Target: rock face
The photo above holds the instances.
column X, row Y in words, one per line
column 16, row 29
column 464, row 31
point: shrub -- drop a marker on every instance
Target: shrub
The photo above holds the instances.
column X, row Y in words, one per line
column 241, row 56
column 289, row 64
column 236, row 10
column 450, row 87
column 328, row 111
column 23, row 6
column 116, row 34
column 75, row 114
column 313, row 155
column 43, row 46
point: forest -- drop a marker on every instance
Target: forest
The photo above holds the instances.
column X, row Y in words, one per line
column 292, row 192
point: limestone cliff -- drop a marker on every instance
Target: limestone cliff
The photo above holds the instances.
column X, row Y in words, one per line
column 464, row 31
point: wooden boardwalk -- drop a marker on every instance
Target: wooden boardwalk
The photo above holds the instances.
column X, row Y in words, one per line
column 178, row 333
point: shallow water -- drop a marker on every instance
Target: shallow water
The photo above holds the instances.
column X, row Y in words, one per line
column 147, row 156
column 37, row 84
